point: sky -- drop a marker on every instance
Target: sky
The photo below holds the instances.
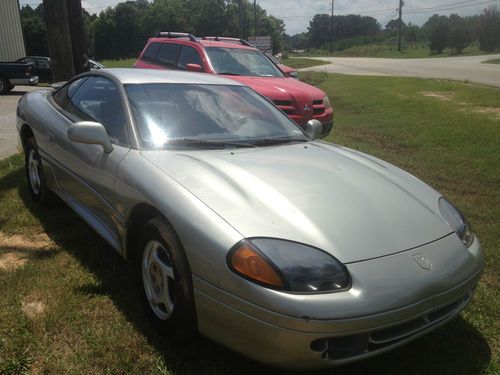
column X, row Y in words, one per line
column 298, row 13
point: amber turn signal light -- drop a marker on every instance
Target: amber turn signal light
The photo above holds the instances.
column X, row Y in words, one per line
column 249, row 263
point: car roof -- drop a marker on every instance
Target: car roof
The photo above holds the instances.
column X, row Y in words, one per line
column 202, row 42
column 223, row 44
column 137, row 76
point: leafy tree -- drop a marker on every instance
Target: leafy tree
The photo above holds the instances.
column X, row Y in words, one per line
column 413, row 33
column 34, row 30
column 393, row 25
column 489, row 29
column 438, row 30
column 344, row 27
column 319, row 30
column 298, row 41
column 460, row 33
column 209, row 18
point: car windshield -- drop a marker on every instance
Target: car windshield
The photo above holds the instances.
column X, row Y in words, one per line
column 242, row 62
column 219, row 116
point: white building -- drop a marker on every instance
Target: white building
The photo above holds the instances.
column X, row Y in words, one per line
column 11, row 34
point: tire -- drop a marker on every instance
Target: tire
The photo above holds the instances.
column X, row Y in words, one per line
column 165, row 281
column 4, row 85
column 35, row 177
column 10, row 87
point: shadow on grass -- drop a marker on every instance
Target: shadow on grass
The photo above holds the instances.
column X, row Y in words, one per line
column 456, row 348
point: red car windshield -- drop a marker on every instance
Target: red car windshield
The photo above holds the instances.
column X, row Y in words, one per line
column 241, row 62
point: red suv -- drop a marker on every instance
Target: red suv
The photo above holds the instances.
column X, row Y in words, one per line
column 242, row 62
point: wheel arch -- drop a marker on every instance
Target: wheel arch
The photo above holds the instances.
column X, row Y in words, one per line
column 25, row 134
column 140, row 214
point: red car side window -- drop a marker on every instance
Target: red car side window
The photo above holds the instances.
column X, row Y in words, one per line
column 189, row 55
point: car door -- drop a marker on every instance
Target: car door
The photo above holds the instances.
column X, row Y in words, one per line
column 86, row 173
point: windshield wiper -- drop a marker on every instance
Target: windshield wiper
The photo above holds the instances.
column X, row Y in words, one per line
column 203, row 142
column 275, row 141
column 229, row 73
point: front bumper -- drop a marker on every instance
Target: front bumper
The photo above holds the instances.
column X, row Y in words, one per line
column 311, row 342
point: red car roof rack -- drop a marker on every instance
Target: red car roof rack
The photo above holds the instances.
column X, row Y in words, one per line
column 223, row 38
column 170, row 34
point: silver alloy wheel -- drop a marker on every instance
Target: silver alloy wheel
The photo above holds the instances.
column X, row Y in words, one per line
column 158, row 279
column 34, row 172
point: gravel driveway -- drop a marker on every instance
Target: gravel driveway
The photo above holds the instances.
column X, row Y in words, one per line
column 8, row 133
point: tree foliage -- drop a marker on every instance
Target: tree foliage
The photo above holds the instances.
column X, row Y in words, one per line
column 460, row 33
column 489, row 29
column 122, row 31
column 438, row 29
column 344, row 27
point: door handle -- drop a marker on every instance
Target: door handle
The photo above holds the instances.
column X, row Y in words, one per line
column 50, row 139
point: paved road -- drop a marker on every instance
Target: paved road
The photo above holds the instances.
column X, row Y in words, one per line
column 8, row 132
column 468, row 68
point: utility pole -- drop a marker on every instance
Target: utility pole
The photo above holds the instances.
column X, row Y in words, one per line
column 400, row 23
column 255, row 18
column 66, row 38
column 241, row 17
column 331, row 29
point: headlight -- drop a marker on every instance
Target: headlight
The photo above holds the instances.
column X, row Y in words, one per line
column 326, row 102
column 288, row 266
column 457, row 221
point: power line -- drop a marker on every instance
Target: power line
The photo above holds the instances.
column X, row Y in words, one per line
column 387, row 18
column 442, row 8
column 301, row 18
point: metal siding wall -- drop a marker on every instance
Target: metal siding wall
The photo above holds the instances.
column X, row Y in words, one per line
column 11, row 34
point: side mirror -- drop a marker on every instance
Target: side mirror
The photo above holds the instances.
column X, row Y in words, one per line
column 89, row 132
column 293, row 74
column 194, row 68
column 314, row 129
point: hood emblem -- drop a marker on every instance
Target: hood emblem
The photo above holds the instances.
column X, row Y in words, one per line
column 423, row 261
column 307, row 108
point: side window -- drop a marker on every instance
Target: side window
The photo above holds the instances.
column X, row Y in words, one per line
column 151, row 51
column 98, row 99
column 168, row 54
column 42, row 63
column 62, row 96
column 75, row 85
column 189, row 55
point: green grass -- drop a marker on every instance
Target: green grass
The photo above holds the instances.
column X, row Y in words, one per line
column 92, row 321
column 493, row 61
column 419, row 50
column 298, row 63
column 125, row 63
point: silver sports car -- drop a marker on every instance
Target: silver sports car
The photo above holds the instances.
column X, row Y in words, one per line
column 295, row 252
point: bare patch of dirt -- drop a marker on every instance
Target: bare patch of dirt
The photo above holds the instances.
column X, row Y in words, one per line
column 33, row 308
column 488, row 110
column 11, row 260
column 16, row 250
column 439, row 95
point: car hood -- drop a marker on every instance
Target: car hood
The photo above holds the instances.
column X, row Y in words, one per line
column 278, row 88
column 351, row 205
